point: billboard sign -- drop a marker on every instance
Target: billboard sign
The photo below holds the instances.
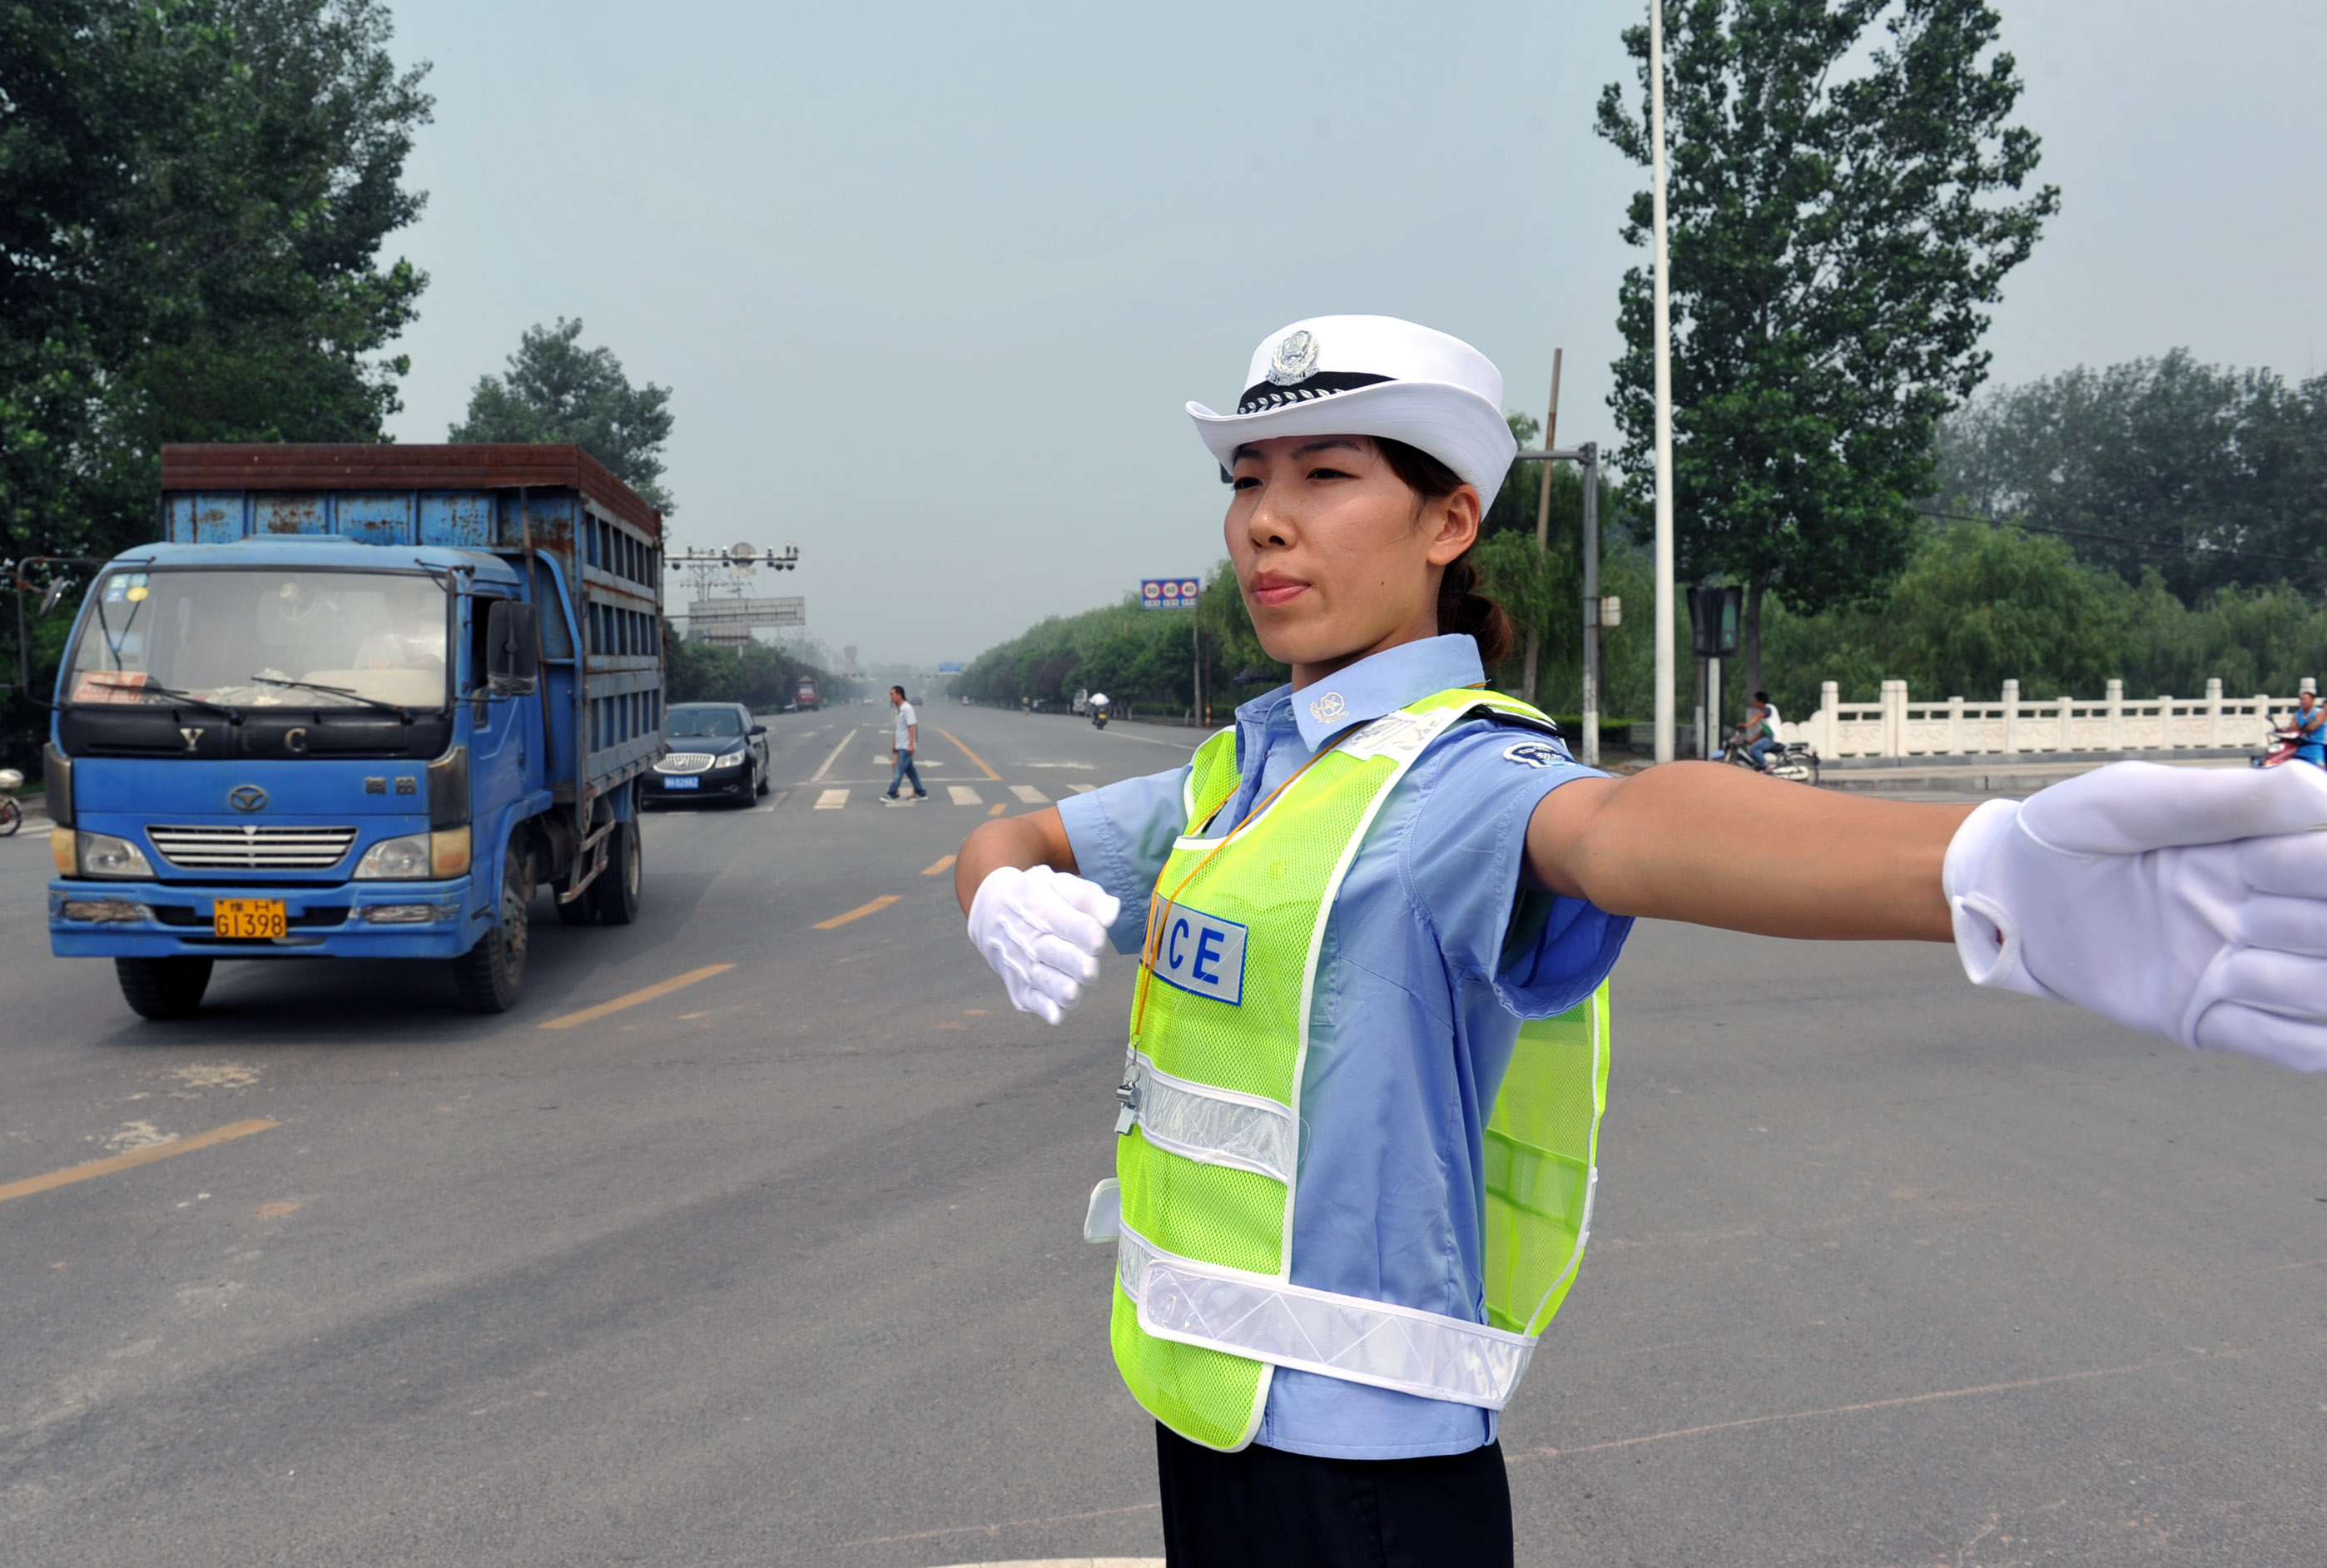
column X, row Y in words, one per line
column 1170, row 592
column 706, row 614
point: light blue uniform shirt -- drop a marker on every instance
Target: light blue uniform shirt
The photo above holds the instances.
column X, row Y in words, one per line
column 1432, row 957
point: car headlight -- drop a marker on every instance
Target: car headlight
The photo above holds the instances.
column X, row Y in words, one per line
column 740, row 760
column 102, row 855
column 402, row 859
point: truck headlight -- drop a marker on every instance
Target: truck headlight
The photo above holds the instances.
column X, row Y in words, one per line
column 402, row 859
column 102, row 855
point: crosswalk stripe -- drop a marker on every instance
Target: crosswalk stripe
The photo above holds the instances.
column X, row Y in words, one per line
column 1082, row 788
column 963, row 794
column 1030, row 795
column 832, row 800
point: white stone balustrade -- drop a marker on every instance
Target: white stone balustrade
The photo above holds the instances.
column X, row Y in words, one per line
column 1893, row 726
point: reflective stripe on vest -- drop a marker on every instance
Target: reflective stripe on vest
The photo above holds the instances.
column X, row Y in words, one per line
column 1345, row 1337
column 1204, row 1303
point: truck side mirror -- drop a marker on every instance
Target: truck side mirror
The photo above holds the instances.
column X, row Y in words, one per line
column 512, row 656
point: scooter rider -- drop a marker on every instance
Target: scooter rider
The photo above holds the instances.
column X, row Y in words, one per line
column 2310, row 728
column 1346, row 905
column 1760, row 729
column 1096, row 706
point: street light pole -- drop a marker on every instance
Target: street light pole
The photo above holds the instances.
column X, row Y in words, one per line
column 1542, row 523
column 1664, row 707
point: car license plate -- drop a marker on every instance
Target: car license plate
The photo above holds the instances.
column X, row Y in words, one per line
column 249, row 920
column 682, row 783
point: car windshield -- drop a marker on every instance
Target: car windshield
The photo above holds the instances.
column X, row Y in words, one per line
column 260, row 638
column 704, row 725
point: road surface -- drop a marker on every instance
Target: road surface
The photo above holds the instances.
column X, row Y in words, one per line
column 752, row 1238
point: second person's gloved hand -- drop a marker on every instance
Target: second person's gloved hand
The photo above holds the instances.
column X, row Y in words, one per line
column 1043, row 932
column 2185, row 903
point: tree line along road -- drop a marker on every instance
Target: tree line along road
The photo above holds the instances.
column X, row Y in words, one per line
column 752, row 1238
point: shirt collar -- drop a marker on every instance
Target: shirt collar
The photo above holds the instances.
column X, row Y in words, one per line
column 1379, row 684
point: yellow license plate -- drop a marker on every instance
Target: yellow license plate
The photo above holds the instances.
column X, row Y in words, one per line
column 249, row 920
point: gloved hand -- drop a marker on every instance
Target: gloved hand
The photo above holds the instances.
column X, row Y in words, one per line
column 1043, row 932
column 2185, row 902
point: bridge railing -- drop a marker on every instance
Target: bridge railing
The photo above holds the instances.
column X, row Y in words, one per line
column 1895, row 725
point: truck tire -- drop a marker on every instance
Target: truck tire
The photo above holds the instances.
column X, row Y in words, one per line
column 163, row 987
column 616, row 891
column 489, row 976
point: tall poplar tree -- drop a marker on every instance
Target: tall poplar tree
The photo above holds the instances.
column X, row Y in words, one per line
column 1838, row 220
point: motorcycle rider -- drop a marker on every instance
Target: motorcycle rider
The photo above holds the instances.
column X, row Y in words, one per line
column 1098, row 706
column 1760, row 729
column 2310, row 728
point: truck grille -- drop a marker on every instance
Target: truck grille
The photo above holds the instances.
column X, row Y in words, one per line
column 253, row 847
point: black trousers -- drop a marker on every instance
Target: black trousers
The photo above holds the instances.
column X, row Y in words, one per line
column 1266, row 1508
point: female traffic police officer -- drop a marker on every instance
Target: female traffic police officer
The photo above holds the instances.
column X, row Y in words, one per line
column 1355, row 1181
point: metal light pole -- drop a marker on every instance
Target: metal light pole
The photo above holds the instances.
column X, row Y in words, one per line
column 1543, row 523
column 1664, row 387
column 1592, row 607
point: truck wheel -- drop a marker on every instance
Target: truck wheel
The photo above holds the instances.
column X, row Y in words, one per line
column 163, row 987
column 616, row 891
column 490, row 975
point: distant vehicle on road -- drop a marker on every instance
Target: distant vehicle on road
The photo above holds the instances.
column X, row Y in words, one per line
column 805, row 695
column 716, row 753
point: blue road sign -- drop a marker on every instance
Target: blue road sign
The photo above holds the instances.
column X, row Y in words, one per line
column 949, row 669
column 1170, row 592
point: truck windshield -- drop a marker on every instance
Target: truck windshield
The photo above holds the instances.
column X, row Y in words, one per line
column 240, row 639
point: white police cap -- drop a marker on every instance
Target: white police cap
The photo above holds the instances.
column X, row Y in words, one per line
column 1371, row 375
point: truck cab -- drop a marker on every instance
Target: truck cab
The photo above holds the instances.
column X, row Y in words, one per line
column 360, row 702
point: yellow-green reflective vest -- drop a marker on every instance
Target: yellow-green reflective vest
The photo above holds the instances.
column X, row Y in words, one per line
column 1204, row 1303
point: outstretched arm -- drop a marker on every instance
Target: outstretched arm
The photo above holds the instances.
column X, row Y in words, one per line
column 1684, row 842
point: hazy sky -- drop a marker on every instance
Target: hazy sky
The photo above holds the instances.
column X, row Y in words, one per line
column 930, row 283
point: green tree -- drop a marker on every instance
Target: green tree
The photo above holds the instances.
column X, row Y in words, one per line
column 2207, row 475
column 557, row 390
column 1833, row 234
column 193, row 195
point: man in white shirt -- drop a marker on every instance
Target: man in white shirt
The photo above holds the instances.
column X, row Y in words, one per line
column 900, row 749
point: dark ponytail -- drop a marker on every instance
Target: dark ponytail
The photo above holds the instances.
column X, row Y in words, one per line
column 1462, row 609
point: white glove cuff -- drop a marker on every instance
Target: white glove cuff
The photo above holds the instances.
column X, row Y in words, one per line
column 1987, row 936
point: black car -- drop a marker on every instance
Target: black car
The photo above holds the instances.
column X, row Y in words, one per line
column 716, row 753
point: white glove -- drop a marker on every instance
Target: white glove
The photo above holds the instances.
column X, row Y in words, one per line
column 2185, row 902
column 1043, row 932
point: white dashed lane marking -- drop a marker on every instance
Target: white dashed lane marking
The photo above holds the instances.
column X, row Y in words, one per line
column 832, row 800
column 963, row 794
column 1030, row 795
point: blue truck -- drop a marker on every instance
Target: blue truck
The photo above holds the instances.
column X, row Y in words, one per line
column 360, row 701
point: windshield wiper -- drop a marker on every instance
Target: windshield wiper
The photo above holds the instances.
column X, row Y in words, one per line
column 337, row 691
column 172, row 693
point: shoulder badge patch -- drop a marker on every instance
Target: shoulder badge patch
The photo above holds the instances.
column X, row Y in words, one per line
column 1534, row 754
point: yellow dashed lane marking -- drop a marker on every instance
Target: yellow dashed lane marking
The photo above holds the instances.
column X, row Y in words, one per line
column 999, row 808
column 145, row 1156
column 660, row 988
column 859, row 913
column 973, row 756
column 945, row 862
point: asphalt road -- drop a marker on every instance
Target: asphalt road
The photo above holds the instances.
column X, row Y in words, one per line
column 782, row 1266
